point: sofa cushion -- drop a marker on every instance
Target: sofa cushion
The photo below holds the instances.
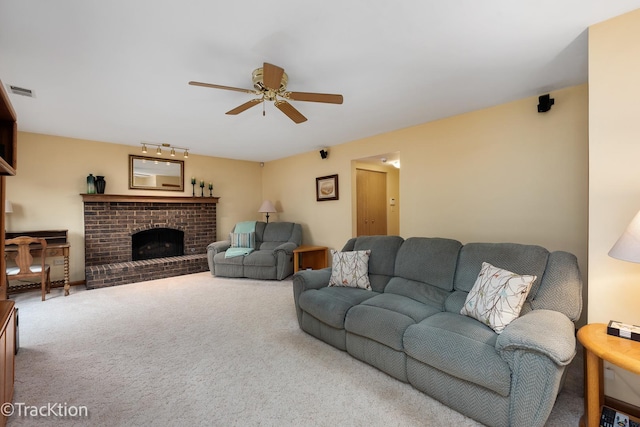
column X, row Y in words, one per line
column 459, row 346
column 330, row 305
column 221, row 259
column 418, row 291
column 350, row 269
column 385, row 317
column 382, row 259
column 428, row 260
column 263, row 258
column 497, row 296
column 510, row 256
column 275, row 234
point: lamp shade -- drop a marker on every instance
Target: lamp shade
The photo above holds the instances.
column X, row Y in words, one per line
column 267, row 207
column 627, row 248
column 8, row 206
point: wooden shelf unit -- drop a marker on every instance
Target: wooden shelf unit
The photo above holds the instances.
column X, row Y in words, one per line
column 313, row 257
column 8, row 134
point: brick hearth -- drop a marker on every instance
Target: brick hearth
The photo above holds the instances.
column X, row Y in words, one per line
column 110, row 221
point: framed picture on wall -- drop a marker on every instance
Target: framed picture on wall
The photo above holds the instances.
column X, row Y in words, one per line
column 327, row 188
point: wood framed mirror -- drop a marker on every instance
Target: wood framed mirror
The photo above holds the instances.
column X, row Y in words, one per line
column 152, row 173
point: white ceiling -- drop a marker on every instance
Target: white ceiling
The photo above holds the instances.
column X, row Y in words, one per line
column 118, row 70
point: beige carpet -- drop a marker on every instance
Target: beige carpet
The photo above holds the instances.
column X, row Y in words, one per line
column 198, row 350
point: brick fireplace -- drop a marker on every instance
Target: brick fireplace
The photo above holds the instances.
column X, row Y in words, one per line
column 110, row 221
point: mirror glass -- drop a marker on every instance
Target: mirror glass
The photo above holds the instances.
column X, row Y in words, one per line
column 152, row 173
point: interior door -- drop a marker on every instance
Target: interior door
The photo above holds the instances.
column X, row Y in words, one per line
column 371, row 199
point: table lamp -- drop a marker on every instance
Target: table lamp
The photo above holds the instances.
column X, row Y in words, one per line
column 267, row 207
column 627, row 248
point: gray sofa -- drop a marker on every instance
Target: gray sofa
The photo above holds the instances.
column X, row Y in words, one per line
column 272, row 258
column 409, row 325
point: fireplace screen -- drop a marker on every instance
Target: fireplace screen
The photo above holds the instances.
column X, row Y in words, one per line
column 157, row 243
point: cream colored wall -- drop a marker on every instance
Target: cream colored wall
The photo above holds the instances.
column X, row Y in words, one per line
column 52, row 173
column 614, row 177
column 505, row 173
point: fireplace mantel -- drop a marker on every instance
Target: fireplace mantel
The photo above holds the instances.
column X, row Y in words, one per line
column 150, row 199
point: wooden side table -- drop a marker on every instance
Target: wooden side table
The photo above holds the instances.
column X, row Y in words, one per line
column 306, row 256
column 600, row 346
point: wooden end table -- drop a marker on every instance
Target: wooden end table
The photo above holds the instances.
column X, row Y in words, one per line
column 599, row 346
column 307, row 256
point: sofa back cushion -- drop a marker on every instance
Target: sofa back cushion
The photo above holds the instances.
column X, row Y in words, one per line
column 429, row 260
column 424, row 270
column 270, row 236
column 382, row 258
column 521, row 259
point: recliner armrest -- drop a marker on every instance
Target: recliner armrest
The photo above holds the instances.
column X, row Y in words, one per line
column 286, row 247
column 311, row 279
column 548, row 332
column 217, row 247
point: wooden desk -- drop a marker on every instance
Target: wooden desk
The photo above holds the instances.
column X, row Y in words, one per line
column 57, row 246
column 599, row 346
column 306, row 256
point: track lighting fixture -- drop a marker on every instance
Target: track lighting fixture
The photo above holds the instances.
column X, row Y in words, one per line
column 160, row 146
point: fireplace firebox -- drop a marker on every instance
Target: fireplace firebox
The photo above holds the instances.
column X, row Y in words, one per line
column 157, row 243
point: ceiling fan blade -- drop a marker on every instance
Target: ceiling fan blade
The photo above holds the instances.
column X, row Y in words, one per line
column 239, row 109
column 272, row 76
column 290, row 111
column 314, row 97
column 237, row 89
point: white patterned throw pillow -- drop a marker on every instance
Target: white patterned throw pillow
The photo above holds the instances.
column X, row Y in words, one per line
column 350, row 269
column 497, row 296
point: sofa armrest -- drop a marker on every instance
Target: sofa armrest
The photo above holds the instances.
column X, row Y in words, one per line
column 287, row 248
column 311, row 279
column 547, row 332
column 217, row 247
column 305, row 280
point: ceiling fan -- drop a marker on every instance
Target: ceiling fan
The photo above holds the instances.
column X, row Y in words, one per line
column 270, row 84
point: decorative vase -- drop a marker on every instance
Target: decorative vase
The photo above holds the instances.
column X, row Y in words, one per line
column 91, row 184
column 100, row 184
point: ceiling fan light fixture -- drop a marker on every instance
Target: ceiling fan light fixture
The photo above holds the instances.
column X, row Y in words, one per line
column 270, row 84
column 258, row 80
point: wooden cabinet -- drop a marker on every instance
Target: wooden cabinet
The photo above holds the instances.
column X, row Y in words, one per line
column 8, row 153
column 8, row 134
column 7, row 353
